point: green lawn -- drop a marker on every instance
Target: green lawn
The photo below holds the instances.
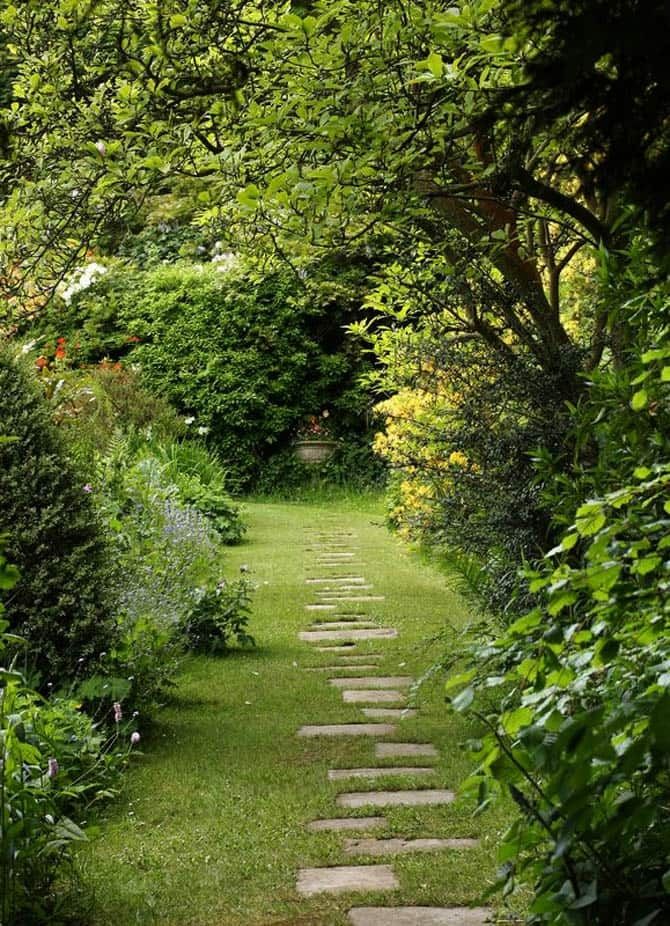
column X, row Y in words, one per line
column 210, row 829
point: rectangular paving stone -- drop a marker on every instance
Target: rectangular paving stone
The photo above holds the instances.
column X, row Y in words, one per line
column 347, row 729
column 319, row 607
column 394, row 750
column 344, row 878
column 374, row 681
column 391, row 713
column 378, row 847
column 372, row 696
column 339, row 824
column 419, row 916
column 341, row 774
column 327, row 589
column 356, row 598
column 360, row 657
column 327, row 580
column 395, row 798
column 323, row 636
column 338, row 648
column 341, row 625
column 349, row 668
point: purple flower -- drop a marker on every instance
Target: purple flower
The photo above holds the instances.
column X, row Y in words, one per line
column 135, row 738
column 118, row 713
column 52, row 771
column 88, row 488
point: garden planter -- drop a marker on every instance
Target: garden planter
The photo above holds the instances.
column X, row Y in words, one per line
column 315, row 451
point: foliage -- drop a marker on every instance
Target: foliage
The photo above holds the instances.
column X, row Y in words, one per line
column 54, row 762
column 579, row 736
column 240, row 354
column 62, row 604
column 219, row 615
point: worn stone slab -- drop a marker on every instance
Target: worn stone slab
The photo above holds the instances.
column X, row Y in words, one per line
column 419, row 916
column 359, row 657
column 395, row 798
column 347, row 729
column 394, row 750
column 344, row 878
column 356, row 598
column 323, row 636
column 349, row 668
column 341, row 774
column 348, row 616
column 339, row 824
column 319, row 607
column 338, row 648
column 372, row 696
column 373, row 681
column 392, row 713
column 327, row 589
column 341, row 625
column 325, row 580
column 379, row 847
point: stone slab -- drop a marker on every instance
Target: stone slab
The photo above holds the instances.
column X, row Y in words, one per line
column 319, row 607
column 372, row 696
column 344, row 878
column 341, row 774
column 373, row 681
column 348, row 668
column 347, row 729
column 338, row 648
column 359, row 657
column 391, row 713
column 419, row 916
column 347, row 824
column 323, row 636
column 418, row 798
column 342, row 625
column 379, row 847
column 327, row 589
column 356, row 598
column 325, row 580
column 394, row 750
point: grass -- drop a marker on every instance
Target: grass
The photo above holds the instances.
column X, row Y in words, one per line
column 211, row 827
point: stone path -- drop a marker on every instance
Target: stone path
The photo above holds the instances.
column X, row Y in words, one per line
column 342, row 632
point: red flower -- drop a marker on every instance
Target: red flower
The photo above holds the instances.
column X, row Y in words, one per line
column 41, row 363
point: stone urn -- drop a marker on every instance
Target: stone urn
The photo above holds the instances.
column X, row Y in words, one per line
column 314, row 451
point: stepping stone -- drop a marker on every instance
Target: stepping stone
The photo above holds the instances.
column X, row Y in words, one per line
column 357, row 598
column 341, row 625
column 318, row 636
column 360, row 657
column 377, row 847
column 339, row 616
column 374, row 681
column 343, row 878
column 373, row 696
column 319, row 607
column 347, row 554
column 395, row 798
column 394, row 750
column 390, row 713
column 335, row 668
column 340, row 774
column 347, row 729
column 326, row 590
column 339, row 648
column 324, row 580
column 419, row 916
column 347, row 823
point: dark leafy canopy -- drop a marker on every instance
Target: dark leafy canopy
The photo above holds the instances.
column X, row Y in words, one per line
column 338, row 123
column 597, row 71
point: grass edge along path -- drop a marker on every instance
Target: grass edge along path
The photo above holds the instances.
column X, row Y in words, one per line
column 212, row 826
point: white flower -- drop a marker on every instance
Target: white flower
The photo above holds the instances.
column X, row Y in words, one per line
column 189, row 420
column 80, row 279
column 102, row 148
column 202, row 430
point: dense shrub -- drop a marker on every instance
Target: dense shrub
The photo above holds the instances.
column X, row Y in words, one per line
column 62, row 603
column 246, row 355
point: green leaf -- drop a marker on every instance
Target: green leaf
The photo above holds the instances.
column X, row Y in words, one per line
column 590, row 519
column 639, row 400
column 463, row 700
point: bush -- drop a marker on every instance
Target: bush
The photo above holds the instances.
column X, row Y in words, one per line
column 62, row 604
column 218, row 616
column 247, row 356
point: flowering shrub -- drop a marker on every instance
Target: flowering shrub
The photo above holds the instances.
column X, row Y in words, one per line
column 220, row 615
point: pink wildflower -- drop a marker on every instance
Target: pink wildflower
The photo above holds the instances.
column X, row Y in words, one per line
column 118, row 713
column 135, row 738
column 52, row 771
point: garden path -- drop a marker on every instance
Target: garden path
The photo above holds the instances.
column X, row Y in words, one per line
column 252, row 787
